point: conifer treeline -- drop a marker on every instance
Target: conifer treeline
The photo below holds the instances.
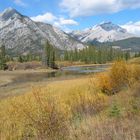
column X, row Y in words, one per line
column 96, row 55
column 28, row 57
column 50, row 54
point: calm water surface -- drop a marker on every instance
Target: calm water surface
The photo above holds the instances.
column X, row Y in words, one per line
column 65, row 72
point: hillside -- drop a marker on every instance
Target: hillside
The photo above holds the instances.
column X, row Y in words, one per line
column 133, row 43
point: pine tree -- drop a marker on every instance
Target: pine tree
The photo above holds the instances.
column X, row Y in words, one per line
column 127, row 55
column 48, row 57
column 52, row 59
column 20, row 59
column 66, row 55
column 45, row 55
column 2, row 58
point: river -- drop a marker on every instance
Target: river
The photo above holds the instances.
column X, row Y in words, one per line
column 17, row 83
column 63, row 73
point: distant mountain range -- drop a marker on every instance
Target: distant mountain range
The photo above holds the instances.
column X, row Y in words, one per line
column 108, row 34
column 21, row 35
column 104, row 32
column 132, row 44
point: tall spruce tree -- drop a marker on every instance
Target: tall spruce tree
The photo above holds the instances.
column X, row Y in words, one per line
column 2, row 57
column 20, row 59
column 48, row 56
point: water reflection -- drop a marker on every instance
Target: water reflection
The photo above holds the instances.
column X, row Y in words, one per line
column 86, row 69
column 64, row 73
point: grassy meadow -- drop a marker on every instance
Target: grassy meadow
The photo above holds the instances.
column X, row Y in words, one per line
column 103, row 106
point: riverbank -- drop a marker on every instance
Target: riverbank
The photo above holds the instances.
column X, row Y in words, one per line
column 7, row 76
column 9, row 86
column 18, row 82
column 16, row 89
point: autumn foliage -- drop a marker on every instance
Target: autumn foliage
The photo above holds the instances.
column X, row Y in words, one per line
column 121, row 75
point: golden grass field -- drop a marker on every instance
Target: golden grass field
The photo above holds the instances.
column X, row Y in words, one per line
column 105, row 106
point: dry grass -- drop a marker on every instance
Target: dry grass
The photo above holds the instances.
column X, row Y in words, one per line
column 72, row 110
column 107, row 129
column 135, row 60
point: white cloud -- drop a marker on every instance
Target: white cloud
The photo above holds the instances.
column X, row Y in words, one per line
column 63, row 21
column 47, row 17
column 93, row 7
column 60, row 22
column 132, row 27
column 20, row 3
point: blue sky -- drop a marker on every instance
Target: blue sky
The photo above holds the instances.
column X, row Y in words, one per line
column 79, row 14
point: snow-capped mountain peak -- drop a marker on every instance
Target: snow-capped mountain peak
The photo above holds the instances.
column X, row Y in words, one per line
column 108, row 26
column 20, row 34
column 103, row 32
column 9, row 13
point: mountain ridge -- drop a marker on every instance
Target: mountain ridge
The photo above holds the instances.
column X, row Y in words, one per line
column 103, row 32
column 22, row 35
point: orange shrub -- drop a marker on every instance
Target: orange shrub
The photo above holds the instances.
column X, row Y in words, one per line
column 105, row 83
column 120, row 75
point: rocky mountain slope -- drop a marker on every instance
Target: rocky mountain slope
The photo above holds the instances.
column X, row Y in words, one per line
column 22, row 35
column 104, row 32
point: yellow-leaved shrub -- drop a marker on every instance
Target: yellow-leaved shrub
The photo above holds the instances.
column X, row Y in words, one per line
column 34, row 116
column 121, row 75
column 105, row 83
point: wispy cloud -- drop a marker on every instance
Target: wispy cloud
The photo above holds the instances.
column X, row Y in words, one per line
column 20, row 3
column 132, row 27
column 47, row 17
column 93, row 7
